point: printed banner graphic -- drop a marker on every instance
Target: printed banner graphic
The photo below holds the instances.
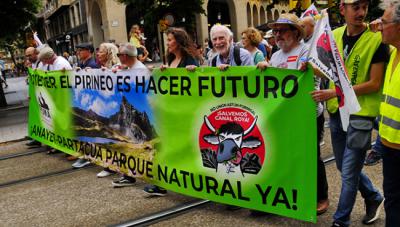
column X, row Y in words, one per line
column 325, row 55
column 240, row 137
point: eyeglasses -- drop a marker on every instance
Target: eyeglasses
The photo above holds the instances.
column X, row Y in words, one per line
column 380, row 22
column 119, row 54
column 281, row 31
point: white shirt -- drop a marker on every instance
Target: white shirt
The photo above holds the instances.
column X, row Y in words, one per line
column 138, row 65
column 291, row 59
column 59, row 64
column 36, row 64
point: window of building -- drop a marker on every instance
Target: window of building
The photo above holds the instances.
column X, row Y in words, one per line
column 61, row 23
column 72, row 17
column 78, row 13
column 67, row 21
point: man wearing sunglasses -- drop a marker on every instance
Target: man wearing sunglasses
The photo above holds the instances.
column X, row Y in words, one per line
column 127, row 54
column 365, row 57
column 389, row 127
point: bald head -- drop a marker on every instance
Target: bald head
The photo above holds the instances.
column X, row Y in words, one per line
column 32, row 54
column 308, row 24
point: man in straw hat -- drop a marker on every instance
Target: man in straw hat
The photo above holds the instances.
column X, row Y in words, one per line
column 288, row 35
column 289, row 32
column 365, row 57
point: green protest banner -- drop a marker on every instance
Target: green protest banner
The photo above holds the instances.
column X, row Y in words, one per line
column 241, row 136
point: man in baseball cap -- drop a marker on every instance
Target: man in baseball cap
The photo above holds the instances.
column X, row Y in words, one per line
column 87, row 46
column 85, row 55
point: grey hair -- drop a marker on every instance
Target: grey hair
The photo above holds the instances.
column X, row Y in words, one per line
column 128, row 49
column 46, row 53
column 396, row 6
column 224, row 29
column 112, row 51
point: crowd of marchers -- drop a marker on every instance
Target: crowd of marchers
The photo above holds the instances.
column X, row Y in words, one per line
column 369, row 51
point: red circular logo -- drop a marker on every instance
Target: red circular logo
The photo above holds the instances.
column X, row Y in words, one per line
column 229, row 138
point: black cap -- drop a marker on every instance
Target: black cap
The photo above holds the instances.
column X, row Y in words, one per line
column 87, row 46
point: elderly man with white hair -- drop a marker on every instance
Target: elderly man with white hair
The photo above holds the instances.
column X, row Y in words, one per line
column 389, row 129
column 51, row 61
column 228, row 54
column 127, row 54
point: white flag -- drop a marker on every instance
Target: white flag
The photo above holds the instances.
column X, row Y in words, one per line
column 310, row 11
column 36, row 38
column 325, row 55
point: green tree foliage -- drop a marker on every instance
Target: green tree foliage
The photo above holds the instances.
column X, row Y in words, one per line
column 16, row 15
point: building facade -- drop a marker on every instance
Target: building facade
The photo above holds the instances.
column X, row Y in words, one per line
column 69, row 22
column 65, row 23
column 108, row 19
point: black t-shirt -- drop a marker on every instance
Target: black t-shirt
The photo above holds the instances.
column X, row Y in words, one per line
column 185, row 61
column 382, row 54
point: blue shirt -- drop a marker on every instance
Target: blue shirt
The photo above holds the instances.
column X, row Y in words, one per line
column 245, row 56
column 262, row 48
column 91, row 63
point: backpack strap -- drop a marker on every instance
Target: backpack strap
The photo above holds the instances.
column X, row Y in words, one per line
column 236, row 55
column 214, row 61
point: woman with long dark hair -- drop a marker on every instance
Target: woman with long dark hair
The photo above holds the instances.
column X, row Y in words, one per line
column 181, row 50
column 181, row 53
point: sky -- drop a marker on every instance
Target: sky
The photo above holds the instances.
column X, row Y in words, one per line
column 106, row 103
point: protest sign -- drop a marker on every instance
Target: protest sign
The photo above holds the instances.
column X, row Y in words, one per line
column 240, row 136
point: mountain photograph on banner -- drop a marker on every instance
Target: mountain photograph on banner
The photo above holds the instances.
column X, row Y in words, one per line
column 108, row 116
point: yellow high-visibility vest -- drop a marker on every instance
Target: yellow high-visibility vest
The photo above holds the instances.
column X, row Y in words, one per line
column 389, row 124
column 358, row 64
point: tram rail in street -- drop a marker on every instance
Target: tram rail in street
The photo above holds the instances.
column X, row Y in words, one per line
column 43, row 176
column 177, row 210
column 25, row 153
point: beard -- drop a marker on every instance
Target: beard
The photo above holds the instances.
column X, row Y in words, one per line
column 285, row 45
